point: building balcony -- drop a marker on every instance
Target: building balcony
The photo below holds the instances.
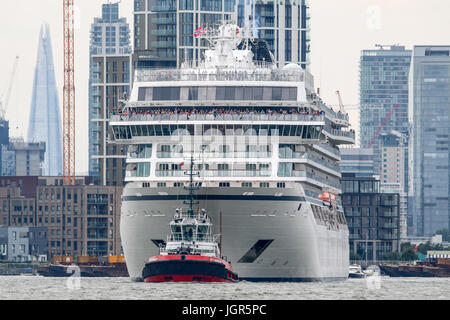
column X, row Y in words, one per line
column 164, row 44
column 167, row 32
column 164, row 20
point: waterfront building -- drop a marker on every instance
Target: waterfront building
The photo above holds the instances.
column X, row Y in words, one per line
column 82, row 220
column 23, row 244
column 284, row 25
column 109, row 81
column 429, row 108
column 373, row 217
column 383, row 96
column 358, row 161
column 393, row 176
column 45, row 119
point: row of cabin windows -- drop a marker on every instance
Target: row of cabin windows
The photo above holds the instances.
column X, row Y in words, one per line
column 129, row 132
column 218, row 93
column 281, row 185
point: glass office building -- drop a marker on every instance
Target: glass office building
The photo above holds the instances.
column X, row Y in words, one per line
column 429, row 108
column 383, row 96
column 164, row 29
column 45, row 118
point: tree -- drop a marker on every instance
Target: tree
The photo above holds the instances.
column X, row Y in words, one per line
column 409, row 255
column 392, row 256
column 354, row 256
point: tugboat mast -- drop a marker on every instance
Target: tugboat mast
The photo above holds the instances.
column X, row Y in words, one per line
column 191, row 189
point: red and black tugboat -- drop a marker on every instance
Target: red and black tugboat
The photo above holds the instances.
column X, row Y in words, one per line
column 191, row 253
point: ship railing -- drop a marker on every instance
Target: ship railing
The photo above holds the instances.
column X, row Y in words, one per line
column 196, row 238
column 261, row 72
column 182, row 214
column 307, row 156
column 215, row 155
column 217, row 117
column 218, row 173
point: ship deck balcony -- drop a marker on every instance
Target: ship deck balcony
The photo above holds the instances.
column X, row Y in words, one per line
column 340, row 136
column 117, row 119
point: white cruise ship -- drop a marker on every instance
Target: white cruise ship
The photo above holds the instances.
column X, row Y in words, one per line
column 266, row 150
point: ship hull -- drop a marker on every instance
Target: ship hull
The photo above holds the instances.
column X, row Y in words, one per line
column 187, row 268
column 267, row 235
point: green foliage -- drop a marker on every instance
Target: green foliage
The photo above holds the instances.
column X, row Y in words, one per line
column 409, row 255
column 424, row 247
column 354, row 256
column 392, row 256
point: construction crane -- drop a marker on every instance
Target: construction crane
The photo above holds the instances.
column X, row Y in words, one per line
column 69, row 94
column 4, row 99
column 385, row 120
column 341, row 105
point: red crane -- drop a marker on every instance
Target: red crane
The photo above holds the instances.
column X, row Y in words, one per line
column 385, row 120
column 69, row 95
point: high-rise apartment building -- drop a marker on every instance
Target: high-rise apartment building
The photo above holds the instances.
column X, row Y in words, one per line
column 383, row 96
column 393, row 176
column 109, row 81
column 429, row 155
column 164, row 30
column 45, row 118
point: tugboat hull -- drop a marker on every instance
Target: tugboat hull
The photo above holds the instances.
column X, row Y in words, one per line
column 188, row 268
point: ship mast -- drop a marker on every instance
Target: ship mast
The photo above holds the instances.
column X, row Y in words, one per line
column 191, row 188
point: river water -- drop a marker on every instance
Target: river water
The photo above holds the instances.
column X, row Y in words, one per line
column 373, row 288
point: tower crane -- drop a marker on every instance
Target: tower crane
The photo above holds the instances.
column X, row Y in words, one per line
column 341, row 105
column 4, row 99
column 385, row 120
column 69, row 94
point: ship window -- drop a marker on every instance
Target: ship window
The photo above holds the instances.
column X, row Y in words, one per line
column 248, row 93
column 239, row 93
column 202, row 232
column 229, row 93
column 220, row 93
column 292, row 94
column 166, row 93
column 276, row 93
column 145, row 151
column 188, row 232
column 285, row 93
column 210, row 93
column 141, row 94
column 267, row 93
column 143, row 169
column 176, row 228
column 158, row 130
column 264, row 184
column 193, row 93
column 257, row 93
column 165, row 130
column 201, row 95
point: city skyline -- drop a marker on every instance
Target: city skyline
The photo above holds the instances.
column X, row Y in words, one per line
column 356, row 25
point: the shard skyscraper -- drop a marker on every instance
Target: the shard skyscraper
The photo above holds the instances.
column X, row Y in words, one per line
column 45, row 118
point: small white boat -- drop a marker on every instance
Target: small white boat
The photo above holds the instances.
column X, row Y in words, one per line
column 355, row 271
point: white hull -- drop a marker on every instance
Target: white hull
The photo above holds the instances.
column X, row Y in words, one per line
column 300, row 250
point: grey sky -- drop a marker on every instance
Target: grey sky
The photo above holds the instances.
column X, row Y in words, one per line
column 340, row 30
